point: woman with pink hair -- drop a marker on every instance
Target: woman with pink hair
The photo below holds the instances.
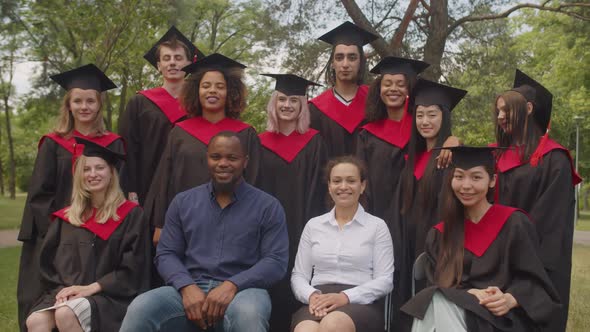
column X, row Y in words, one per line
column 291, row 170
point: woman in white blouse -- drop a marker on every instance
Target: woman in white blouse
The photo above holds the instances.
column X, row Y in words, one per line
column 344, row 263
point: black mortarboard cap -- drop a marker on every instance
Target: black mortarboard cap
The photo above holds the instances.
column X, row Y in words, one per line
column 291, row 85
column 428, row 93
column 85, row 77
column 396, row 65
column 172, row 33
column 92, row 149
column 213, row 61
column 536, row 93
column 348, row 34
column 467, row 157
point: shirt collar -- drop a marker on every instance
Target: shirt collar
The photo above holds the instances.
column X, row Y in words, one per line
column 360, row 217
column 239, row 191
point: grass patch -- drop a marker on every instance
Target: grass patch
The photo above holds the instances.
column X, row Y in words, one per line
column 8, row 274
column 583, row 221
column 12, row 211
column 579, row 320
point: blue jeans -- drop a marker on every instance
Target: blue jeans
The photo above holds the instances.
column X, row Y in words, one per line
column 161, row 309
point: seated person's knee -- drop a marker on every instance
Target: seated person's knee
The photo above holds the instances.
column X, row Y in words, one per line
column 65, row 317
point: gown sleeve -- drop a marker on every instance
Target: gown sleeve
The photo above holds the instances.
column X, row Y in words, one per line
column 157, row 200
column 41, row 194
column 50, row 277
column 254, row 155
column 530, row 285
column 129, row 130
column 316, row 200
column 553, row 208
column 131, row 276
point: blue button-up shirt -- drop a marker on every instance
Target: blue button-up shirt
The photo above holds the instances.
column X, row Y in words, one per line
column 246, row 242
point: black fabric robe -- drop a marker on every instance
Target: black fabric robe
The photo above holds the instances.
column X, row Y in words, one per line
column 410, row 230
column 120, row 264
column 339, row 141
column 145, row 128
column 301, row 189
column 50, row 190
column 546, row 193
column 510, row 263
column 184, row 165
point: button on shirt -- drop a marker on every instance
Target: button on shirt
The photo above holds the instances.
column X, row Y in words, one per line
column 246, row 242
column 360, row 254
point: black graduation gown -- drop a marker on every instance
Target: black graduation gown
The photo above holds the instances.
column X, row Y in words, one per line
column 148, row 118
column 50, row 189
column 184, row 162
column 120, row 264
column 509, row 262
column 410, row 230
column 546, row 193
column 337, row 123
column 291, row 169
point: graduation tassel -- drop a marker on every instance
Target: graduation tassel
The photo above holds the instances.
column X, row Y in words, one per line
column 537, row 156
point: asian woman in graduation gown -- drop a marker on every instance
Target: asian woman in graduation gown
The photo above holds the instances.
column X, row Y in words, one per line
column 416, row 199
column 50, row 185
column 213, row 96
column 95, row 257
column 481, row 261
column 537, row 175
column 291, row 166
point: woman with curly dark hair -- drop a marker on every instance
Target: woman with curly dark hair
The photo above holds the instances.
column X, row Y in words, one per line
column 213, row 96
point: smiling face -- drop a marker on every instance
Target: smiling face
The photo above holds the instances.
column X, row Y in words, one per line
column 212, row 92
column 345, row 185
column 226, row 160
column 471, row 186
column 287, row 108
column 394, row 90
column 171, row 62
column 84, row 105
column 97, row 174
column 428, row 121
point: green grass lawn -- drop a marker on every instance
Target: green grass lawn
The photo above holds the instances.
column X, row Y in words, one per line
column 583, row 221
column 579, row 306
column 12, row 211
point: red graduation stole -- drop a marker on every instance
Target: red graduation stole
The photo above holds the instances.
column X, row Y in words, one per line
column 166, row 103
column 396, row 133
column 103, row 231
column 420, row 164
column 479, row 237
column 76, row 149
column 348, row 117
column 204, row 130
column 286, row 147
column 511, row 159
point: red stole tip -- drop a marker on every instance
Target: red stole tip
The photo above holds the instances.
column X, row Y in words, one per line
column 348, row 117
column 104, row 231
column 286, row 147
column 166, row 103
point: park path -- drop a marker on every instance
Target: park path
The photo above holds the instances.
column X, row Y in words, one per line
column 8, row 238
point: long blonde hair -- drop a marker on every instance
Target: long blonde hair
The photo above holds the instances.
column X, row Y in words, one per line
column 81, row 208
column 65, row 120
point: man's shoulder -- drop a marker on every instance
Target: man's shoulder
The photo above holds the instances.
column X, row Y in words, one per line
column 260, row 195
column 193, row 195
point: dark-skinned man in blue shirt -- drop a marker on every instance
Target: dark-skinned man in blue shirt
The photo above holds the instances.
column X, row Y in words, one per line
column 223, row 244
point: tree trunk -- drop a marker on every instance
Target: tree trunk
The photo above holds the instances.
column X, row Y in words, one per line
column 11, row 162
column 357, row 16
column 2, row 192
column 123, row 97
column 437, row 38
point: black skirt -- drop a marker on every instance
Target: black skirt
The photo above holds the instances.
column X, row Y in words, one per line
column 366, row 317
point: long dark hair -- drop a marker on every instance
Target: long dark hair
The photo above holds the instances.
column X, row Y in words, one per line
column 375, row 108
column 449, row 263
column 426, row 191
column 235, row 101
column 523, row 131
column 360, row 79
